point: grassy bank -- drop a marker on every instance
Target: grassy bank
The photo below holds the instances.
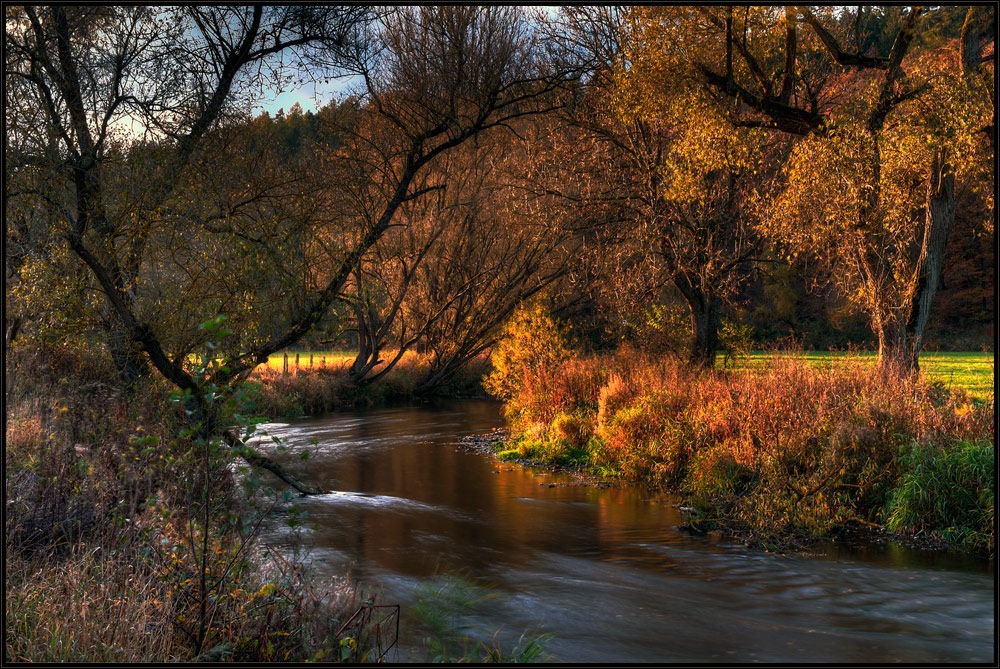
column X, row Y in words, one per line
column 784, row 447
column 128, row 540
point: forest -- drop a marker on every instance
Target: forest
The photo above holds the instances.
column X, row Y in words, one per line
column 720, row 250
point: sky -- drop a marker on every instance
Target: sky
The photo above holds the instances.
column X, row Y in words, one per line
column 313, row 96
column 310, row 97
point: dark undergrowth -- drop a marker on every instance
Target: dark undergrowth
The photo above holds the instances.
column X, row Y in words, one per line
column 128, row 541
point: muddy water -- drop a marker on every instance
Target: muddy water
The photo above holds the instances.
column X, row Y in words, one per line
column 606, row 571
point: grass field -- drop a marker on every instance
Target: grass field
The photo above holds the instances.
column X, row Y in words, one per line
column 316, row 359
column 307, row 359
column 972, row 371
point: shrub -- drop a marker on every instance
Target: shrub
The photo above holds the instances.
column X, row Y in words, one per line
column 575, row 429
column 613, row 397
column 780, row 449
column 715, row 479
column 647, row 440
column 736, row 340
column 532, row 342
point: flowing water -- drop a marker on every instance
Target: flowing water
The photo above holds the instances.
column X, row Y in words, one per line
column 607, row 571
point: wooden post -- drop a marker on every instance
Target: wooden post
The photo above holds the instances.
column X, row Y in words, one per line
column 296, row 363
column 284, row 369
column 310, row 360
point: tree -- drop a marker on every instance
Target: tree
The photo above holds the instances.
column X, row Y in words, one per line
column 508, row 240
column 435, row 77
column 83, row 73
column 386, row 281
column 678, row 177
column 849, row 197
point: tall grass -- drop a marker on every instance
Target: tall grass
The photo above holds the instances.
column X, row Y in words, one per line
column 115, row 552
column 950, row 492
column 779, row 449
column 86, row 607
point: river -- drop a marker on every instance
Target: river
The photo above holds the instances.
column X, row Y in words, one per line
column 606, row 571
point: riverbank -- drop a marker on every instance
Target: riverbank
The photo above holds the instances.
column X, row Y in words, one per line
column 853, row 532
column 317, row 390
column 414, row 508
column 494, row 442
column 780, row 454
column 129, row 540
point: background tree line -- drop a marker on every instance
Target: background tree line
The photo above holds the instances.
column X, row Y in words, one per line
column 662, row 175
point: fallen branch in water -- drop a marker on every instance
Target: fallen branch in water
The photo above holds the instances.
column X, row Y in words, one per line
column 258, row 460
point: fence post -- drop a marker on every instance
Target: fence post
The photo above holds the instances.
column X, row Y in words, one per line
column 284, row 369
column 296, row 363
column 310, row 360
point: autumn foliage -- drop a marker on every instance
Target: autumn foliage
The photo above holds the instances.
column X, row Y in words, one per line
column 790, row 449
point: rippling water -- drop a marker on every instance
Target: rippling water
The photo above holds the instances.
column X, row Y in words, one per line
column 607, row 572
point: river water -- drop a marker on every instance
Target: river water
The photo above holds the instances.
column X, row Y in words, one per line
column 607, row 572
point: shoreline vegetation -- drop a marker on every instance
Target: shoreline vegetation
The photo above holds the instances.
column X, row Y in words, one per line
column 322, row 388
column 781, row 450
column 775, row 448
column 129, row 539
column 153, row 531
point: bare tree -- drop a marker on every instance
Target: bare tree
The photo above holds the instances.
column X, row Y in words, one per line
column 436, row 77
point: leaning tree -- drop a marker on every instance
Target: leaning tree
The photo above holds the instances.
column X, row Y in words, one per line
column 88, row 80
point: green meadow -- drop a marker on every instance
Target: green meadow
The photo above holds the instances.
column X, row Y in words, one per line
column 957, row 370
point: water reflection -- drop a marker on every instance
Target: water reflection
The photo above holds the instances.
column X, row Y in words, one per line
column 607, row 571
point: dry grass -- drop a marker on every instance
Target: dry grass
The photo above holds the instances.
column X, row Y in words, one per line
column 86, row 607
column 783, row 446
column 104, row 536
column 300, row 361
column 319, row 390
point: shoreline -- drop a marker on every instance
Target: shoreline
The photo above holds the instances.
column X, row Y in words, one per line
column 853, row 533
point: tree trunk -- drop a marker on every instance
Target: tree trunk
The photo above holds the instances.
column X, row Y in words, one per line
column 363, row 358
column 127, row 354
column 13, row 328
column 704, row 333
column 938, row 218
column 892, row 350
column 704, row 322
column 901, row 338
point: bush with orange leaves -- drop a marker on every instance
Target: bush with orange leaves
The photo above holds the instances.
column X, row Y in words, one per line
column 790, row 449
